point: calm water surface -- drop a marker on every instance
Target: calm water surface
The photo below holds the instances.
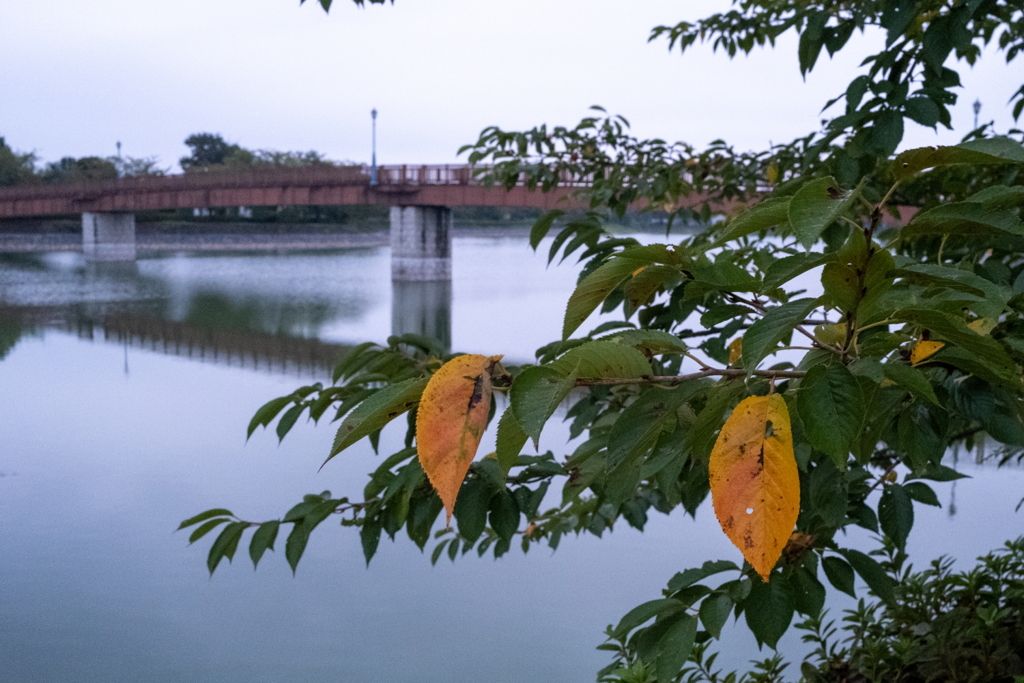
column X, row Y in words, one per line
column 107, row 442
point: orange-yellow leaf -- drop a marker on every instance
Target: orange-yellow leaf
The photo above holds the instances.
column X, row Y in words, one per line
column 450, row 421
column 735, row 350
column 923, row 349
column 755, row 487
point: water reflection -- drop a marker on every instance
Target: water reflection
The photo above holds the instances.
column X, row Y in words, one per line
column 96, row 588
column 423, row 308
column 258, row 312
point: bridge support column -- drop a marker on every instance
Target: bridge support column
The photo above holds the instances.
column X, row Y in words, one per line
column 421, row 243
column 108, row 236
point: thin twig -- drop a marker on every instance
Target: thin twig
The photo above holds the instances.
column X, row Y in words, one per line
column 679, row 379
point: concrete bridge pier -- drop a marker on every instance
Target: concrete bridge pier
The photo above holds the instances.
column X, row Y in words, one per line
column 421, row 243
column 108, row 236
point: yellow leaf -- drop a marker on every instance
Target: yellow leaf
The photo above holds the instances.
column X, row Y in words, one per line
column 755, row 486
column 450, row 421
column 983, row 326
column 923, row 349
column 772, row 173
column 735, row 350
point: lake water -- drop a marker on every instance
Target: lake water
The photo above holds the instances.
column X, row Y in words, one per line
column 109, row 437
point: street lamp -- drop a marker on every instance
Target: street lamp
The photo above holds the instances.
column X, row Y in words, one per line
column 977, row 108
column 373, row 158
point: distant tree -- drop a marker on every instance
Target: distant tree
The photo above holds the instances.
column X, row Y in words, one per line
column 86, row 169
column 208, row 149
column 134, row 167
column 15, row 168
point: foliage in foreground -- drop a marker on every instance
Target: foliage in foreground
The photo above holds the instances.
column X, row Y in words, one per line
column 914, row 343
column 813, row 332
column 956, row 627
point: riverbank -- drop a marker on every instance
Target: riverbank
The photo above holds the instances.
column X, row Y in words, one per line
column 157, row 242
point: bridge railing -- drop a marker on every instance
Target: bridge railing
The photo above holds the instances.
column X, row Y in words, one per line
column 209, row 180
column 451, row 174
column 315, row 176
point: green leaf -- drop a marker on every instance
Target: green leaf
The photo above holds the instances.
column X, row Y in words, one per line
column 600, row 359
column 266, row 413
column 369, row 537
column 511, row 439
column 839, row 573
column 438, row 549
column 688, row 577
column 911, row 379
column 785, row 269
column 645, row 612
column 938, row 473
column 225, row 544
column 880, row 583
column 288, row 420
column 828, row 491
column 964, row 219
column 769, row 610
column 655, row 342
column 701, row 436
column 896, row 514
column 808, row 593
column 674, row 647
column 963, row 280
column 540, row 229
column 815, row 206
column 206, row 528
column 638, row 427
column 995, row 150
column 296, row 544
column 216, row 512
column 356, row 358
column 262, row 540
column 714, row 612
column 644, row 285
column 776, row 325
column 842, row 286
column 595, row 288
column 504, row 514
column 471, row 508
column 922, row 110
column 376, row 411
column 1000, row 197
column 535, row 394
column 767, row 214
column 830, row 405
column 922, row 493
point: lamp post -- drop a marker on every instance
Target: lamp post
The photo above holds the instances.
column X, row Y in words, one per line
column 977, row 109
column 373, row 157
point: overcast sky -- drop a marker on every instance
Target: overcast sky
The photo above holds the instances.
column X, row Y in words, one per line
column 76, row 76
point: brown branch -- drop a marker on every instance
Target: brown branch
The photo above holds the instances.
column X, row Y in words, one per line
column 674, row 380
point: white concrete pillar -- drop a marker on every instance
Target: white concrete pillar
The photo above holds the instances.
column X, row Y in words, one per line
column 423, row 308
column 108, row 236
column 421, row 243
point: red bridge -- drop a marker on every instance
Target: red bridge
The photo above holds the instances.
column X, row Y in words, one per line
column 315, row 186
column 420, row 198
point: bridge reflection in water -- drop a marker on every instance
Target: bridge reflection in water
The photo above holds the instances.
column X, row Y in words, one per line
column 259, row 335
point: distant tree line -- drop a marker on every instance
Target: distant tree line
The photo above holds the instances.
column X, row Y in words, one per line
column 209, row 152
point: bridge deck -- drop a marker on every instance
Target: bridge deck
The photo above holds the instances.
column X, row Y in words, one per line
column 450, row 186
